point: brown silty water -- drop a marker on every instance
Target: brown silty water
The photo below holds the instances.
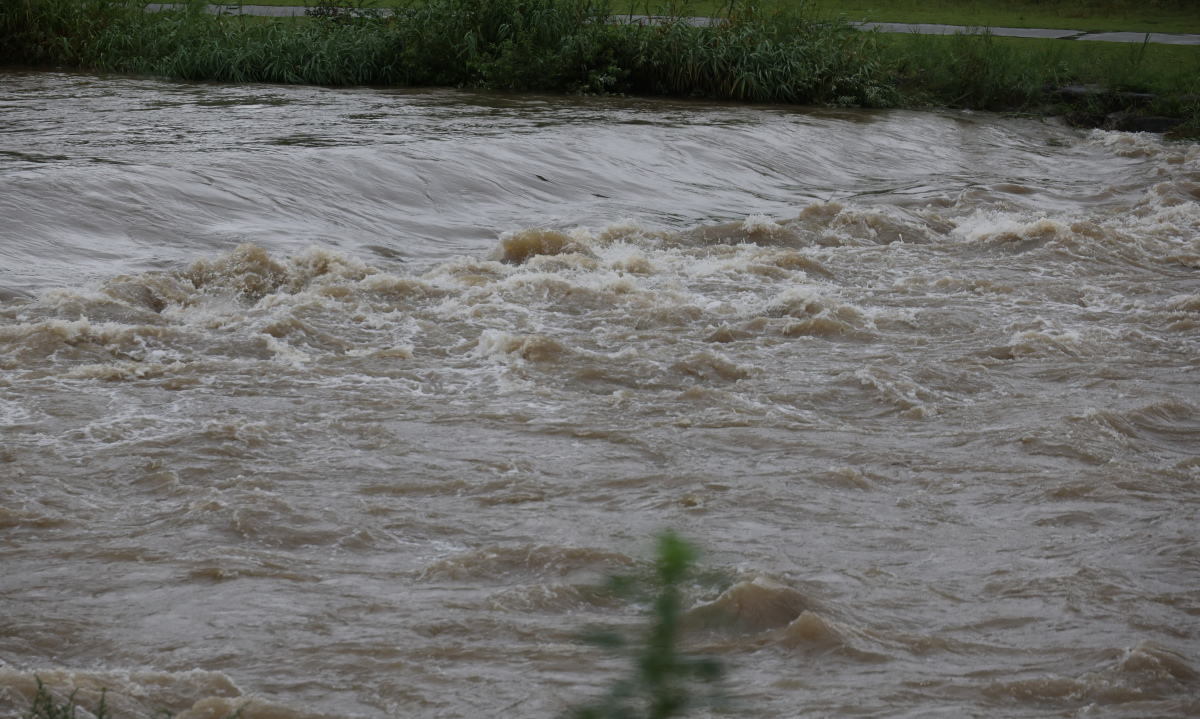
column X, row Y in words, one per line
column 339, row 401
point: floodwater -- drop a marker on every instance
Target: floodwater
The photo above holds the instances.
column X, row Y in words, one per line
column 342, row 401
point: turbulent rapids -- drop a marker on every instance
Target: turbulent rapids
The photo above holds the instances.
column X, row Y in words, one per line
column 349, row 423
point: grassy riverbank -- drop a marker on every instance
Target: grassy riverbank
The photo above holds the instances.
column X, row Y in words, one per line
column 1174, row 16
column 999, row 73
column 573, row 46
column 1179, row 16
column 540, row 45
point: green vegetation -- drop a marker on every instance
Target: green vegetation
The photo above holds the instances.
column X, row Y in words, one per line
column 1177, row 16
column 663, row 681
column 576, row 46
column 1182, row 16
column 548, row 45
column 1108, row 81
column 45, row 706
column 985, row 71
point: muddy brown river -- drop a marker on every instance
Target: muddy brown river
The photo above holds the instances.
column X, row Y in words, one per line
column 340, row 402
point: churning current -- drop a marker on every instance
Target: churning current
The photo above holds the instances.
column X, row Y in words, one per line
column 340, row 402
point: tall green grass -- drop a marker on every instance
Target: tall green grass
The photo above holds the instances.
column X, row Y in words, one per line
column 980, row 70
column 547, row 45
column 37, row 32
column 784, row 56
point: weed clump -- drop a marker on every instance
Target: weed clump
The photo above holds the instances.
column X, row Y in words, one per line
column 663, row 681
column 1189, row 129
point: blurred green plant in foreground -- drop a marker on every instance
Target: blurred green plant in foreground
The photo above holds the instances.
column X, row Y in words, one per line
column 45, row 707
column 663, row 681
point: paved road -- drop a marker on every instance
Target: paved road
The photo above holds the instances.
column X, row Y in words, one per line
column 920, row 28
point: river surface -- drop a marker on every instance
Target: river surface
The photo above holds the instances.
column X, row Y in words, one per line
column 341, row 402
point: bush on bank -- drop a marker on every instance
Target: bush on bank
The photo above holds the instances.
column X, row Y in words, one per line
column 545, row 45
